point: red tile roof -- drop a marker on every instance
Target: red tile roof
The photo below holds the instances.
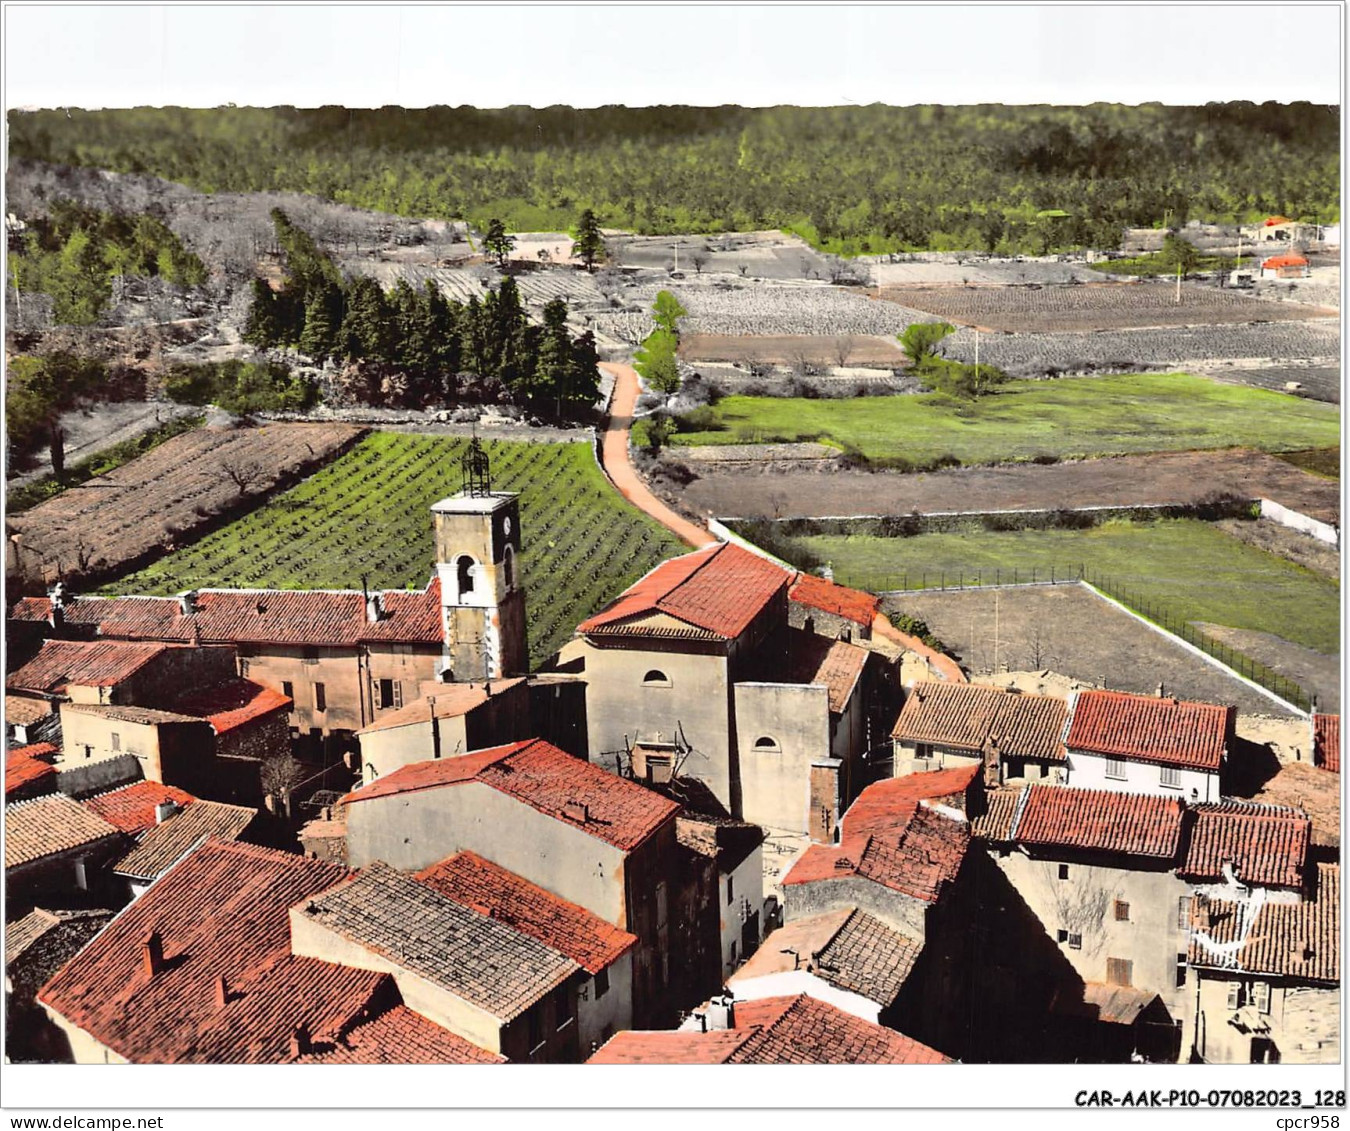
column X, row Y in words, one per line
column 221, row 912
column 996, row 823
column 1275, row 221
column 1284, row 261
column 132, row 808
column 916, row 857
column 810, row 659
column 28, row 771
column 46, row 826
column 336, row 618
column 1300, row 785
column 885, row 804
column 720, row 590
column 228, row 706
column 966, row 716
column 1327, row 742
column 540, row 775
column 451, row 700
column 840, row 600
column 100, row 663
column 21, row 710
column 774, row 1030
column 1058, row 816
column 493, row 891
column 1301, row 941
column 1149, row 729
column 400, row 1036
column 1263, row 844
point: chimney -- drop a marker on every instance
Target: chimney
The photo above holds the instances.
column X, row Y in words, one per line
column 164, row 810
column 991, row 763
column 374, row 607
column 187, row 603
column 222, row 992
column 823, row 815
column 300, row 1043
column 1161, row 693
column 435, row 728
column 260, row 607
column 152, row 954
column 721, row 1012
column 576, row 811
column 56, row 597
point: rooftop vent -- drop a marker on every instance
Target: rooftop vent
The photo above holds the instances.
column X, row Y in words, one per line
column 164, row 810
column 576, row 811
column 152, row 954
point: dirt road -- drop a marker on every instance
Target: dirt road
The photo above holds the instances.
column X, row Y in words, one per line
column 614, row 457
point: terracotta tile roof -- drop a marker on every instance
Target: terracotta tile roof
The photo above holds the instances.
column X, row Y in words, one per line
column 48, row 825
column 1100, row 1001
column 829, row 597
column 490, row 890
column 132, row 807
column 540, row 775
column 1274, row 221
column 632, row 1046
column 452, row 700
column 99, row 663
column 21, row 934
column 400, row 1036
column 1059, row 816
column 803, row 1030
column 256, row 616
column 221, row 912
column 1263, row 844
column 1302, row 786
column 885, row 804
column 1284, row 261
column 773, row 1030
column 1149, row 729
column 720, row 589
column 27, row 770
column 22, row 711
column 965, row 716
column 996, row 823
column 166, row 843
column 847, row 948
column 916, row 858
column 477, row 958
column 811, row 659
column 1327, row 742
column 230, row 705
column 144, row 716
column 1301, row 941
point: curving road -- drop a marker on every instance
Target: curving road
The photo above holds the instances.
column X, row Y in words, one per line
column 614, row 459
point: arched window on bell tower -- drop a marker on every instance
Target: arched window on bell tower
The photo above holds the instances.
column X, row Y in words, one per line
column 464, row 574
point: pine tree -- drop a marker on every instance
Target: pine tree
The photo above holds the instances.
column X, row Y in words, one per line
column 263, row 328
column 497, row 242
column 366, row 330
column 590, row 244
column 322, row 320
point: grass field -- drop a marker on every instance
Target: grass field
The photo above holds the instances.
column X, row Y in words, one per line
column 369, row 513
column 1325, row 462
column 1186, row 568
column 1064, row 418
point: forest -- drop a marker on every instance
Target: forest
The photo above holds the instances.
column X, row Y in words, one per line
column 852, row 180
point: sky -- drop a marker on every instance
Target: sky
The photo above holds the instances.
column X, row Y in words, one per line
column 504, row 54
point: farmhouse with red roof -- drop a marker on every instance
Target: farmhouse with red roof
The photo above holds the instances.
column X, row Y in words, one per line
column 757, row 680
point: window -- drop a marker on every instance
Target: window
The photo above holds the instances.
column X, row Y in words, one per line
column 464, row 574
column 730, row 891
column 1122, row 910
column 602, row 983
column 1261, row 996
column 1119, row 971
column 1063, row 871
column 320, row 699
column 563, row 1013
column 1234, row 995
column 1115, row 768
column 1062, row 935
column 765, row 743
column 243, row 668
column 288, row 689
column 509, row 567
column 1181, row 970
column 116, row 741
column 731, row 959
column 1075, row 941
column 656, row 678
column 1170, row 777
column 1184, row 913
column 384, row 697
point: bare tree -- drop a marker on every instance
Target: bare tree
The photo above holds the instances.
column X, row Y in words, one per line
column 801, row 364
column 279, row 775
column 779, row 500
column 699, row 259
column 843, row 349
column 1038, row 654
column 242, row 473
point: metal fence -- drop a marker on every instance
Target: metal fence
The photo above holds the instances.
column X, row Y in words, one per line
column 1113, row 587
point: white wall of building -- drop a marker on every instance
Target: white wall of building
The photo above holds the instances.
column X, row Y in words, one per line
column 1090, row 771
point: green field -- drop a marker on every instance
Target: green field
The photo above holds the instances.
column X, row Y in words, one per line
column 369, row 513
column 1184, row 568
column 1064, row 418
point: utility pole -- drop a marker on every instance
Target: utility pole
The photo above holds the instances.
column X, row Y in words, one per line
column 1178, row 283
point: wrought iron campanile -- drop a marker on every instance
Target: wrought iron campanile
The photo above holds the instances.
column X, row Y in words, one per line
column 477, row 474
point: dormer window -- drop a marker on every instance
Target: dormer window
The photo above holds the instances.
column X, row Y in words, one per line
column 656, row 678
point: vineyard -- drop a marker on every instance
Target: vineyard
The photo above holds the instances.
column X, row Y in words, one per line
column 1110, row 306
column 821, row 350
column 1073, row 417
column 368, row 514
column 154, row 502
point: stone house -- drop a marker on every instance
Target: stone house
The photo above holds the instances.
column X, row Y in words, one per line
column 56, row 852
column 736, row 851
column 1265, row 977
column 702, row 652
column 606, row 844
column 1144, row 744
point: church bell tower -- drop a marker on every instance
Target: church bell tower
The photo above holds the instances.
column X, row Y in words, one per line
column 478, row 565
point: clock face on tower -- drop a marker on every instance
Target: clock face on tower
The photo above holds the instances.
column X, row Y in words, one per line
column 506, row 526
